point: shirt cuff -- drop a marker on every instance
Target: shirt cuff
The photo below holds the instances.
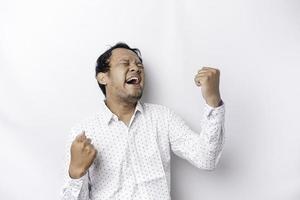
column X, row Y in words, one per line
column 215, row 112
column 76, row 184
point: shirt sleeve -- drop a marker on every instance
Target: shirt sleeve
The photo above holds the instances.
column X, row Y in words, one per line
column 203, row 149
column 74, row 188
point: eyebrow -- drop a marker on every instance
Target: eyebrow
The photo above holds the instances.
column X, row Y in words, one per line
column 127, row 60
column 124, row 59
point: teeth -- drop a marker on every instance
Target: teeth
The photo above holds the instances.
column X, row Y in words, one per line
column 132, row 78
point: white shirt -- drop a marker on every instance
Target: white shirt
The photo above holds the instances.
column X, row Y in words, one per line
column 133, row 162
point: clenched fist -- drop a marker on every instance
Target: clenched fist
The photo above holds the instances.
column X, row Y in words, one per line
column 83, row 154
column 208, row 79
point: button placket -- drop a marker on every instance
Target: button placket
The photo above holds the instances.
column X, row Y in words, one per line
column 134, row 160
column 132, row 153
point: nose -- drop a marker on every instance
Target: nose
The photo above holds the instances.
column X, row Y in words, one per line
column 134, row 67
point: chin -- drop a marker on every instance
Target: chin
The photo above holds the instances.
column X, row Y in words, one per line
column 136, row 96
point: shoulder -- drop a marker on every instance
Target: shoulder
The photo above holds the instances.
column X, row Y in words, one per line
column 150, row 107
column 157, row 109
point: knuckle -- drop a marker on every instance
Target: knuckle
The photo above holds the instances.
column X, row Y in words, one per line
column 87, row 141
column 91, row 146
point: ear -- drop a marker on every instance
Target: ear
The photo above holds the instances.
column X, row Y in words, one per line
column 101, row 78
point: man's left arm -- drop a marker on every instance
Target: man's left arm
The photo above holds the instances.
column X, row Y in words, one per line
column 202, row 150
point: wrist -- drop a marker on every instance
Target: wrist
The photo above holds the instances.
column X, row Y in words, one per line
column 214, row 102
column 76, row 173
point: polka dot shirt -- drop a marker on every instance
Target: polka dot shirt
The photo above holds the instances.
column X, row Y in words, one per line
column 133, row 162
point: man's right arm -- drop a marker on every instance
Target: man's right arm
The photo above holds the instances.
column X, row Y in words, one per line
column 80, row 154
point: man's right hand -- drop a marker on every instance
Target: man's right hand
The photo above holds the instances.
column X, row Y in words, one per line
column 83, row 153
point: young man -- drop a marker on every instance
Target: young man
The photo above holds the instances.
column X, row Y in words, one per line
column 124, row 151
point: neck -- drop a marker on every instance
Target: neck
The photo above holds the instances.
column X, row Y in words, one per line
column 120, row 108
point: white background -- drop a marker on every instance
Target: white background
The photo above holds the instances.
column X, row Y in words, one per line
column 48, row 51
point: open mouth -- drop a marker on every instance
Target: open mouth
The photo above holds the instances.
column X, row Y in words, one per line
column 133, row 81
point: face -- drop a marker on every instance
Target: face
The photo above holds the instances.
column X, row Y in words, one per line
column 125, row 79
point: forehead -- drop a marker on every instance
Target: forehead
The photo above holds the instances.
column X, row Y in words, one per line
column 121, row 53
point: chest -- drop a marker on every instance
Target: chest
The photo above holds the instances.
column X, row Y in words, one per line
column 144, row 142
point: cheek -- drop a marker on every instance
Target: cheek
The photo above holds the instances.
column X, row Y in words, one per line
column 143, row 78
column 118, row 77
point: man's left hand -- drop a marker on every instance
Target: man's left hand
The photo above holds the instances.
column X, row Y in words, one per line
column 208, row 78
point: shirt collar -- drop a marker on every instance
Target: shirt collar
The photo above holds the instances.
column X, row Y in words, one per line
column 108, row 115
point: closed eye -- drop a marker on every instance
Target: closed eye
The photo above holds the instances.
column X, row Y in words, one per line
column 127, row 63
column 124, row 63
column 140, row 65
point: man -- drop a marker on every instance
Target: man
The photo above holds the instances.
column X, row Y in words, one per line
column 130, row 154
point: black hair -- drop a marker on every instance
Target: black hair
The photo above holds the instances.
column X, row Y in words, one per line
column 103, row 60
